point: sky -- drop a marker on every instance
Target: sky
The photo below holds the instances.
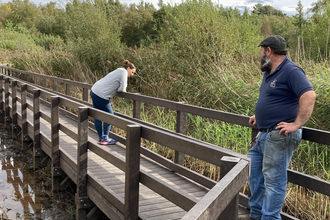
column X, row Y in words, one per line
column 288, row 6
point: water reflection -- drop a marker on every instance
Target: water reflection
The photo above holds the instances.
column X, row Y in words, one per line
column 19, row 198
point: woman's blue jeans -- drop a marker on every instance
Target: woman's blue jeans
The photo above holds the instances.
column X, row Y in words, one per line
column 103, row 105
column 270, row 158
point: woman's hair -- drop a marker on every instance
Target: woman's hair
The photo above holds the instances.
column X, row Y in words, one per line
column 127, row 64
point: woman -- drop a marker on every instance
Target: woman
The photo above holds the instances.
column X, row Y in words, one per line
column 105, row 89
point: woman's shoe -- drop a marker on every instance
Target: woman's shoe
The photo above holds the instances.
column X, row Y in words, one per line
column 108, row 141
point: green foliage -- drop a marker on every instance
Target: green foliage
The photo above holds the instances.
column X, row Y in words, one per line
column 10, row 40
column 92, row 36
column 5, row 12
column 53, row 22
column 316, row 34
column 260, row 9
column 299, row 20
column 49, row 41
column 24, row 12
column 137, row 25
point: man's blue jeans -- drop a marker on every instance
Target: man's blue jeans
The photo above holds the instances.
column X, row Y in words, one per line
column 103, row 105
column 270, row 158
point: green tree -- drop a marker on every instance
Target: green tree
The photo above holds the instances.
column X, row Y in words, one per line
column 25, row 13
column 246, row 12
column 5, row 12
column 317, row 31
column 299, row 20
column 138, row 25
column 260, row 9
column 266, row 28
column 53, row 21
column 91, row 35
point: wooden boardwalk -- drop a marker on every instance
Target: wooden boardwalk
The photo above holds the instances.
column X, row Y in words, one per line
column 107, row 180
column 109, row 177
column 112, row 179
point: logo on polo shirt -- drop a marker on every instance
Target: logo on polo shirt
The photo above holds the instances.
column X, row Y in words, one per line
column 273, row 84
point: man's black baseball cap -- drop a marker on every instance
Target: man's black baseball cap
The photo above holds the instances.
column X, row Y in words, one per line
column 275, row 42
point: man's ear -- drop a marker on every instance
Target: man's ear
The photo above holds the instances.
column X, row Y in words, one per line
column 268, row 51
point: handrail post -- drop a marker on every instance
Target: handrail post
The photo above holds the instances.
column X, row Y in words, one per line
column 181, row 127
column 132, row 171
column 54, row 85
column 82, row 198
column 85, row 94
column 7, row 110
column 14, row 109
column 1, row 100
column 24, row 132
column 67, row 92
column 231, row 211
column 36, row 128
column 44, row 82
column 56, row 170
column 137, row 108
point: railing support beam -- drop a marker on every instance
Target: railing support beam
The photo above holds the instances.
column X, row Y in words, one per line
column 82, row 203
column 132, row 172
column 181, row 127
column 7, row 109
column 24, row 131
column 231, row 211
column 56, row 170
column 36, row 128
column 14, row 109
column 137, row 108
column 1, row 99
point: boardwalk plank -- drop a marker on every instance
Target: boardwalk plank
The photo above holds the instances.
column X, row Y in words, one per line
column 151, row 205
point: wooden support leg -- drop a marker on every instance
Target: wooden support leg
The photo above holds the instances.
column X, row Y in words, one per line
column 24, row 134
column 36, row 127
column 14, row 110
column 95, row 213
column 56, row 170
column 82, row 201
column 231, row 211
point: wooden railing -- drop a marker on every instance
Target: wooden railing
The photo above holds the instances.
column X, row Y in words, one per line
column 214, row 204
column 314, row 135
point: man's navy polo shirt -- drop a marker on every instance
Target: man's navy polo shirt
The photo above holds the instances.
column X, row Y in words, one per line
column 279, row 95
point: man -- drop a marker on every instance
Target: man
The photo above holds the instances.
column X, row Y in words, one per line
column 286, row 101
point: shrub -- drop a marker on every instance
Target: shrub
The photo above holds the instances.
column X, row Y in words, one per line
column 10, row 40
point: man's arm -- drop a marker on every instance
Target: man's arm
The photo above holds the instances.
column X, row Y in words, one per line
column 306, row 105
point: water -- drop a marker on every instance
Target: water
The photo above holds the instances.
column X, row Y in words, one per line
column 22, row 194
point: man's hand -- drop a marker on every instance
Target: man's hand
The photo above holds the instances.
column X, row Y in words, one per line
column 287, row 128
column 306, row 105
column 252, row 120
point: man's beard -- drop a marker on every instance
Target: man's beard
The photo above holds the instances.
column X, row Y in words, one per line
column 265, row 63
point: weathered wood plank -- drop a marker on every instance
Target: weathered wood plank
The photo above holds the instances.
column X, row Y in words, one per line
column 55, row 143
column 81, row 211
column 36, row 125
column 217, row 199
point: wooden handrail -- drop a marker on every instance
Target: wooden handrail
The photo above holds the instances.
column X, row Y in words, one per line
column 157, row 135
column 217, row 199
column 310, row 134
